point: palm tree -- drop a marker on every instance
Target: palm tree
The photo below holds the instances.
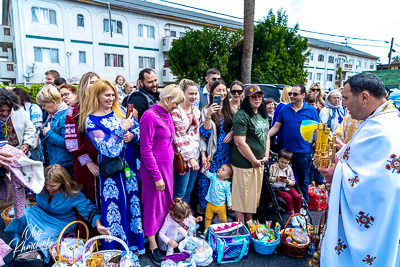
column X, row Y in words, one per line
column 395, row 59
column 248, row 27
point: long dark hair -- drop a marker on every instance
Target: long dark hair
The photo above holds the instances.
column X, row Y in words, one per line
column 226, row 109
column 249, row 110
column 23, row 96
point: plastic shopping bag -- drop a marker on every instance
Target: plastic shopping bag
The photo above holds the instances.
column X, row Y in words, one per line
column 201, row 255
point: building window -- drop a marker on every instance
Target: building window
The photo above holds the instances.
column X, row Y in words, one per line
column 7, row 31
column 358, row 63
column 45, row 55
column 310, row 76
column 319, row 76
column 181, row 34
column 114, row 60
column 82, row 57
column 44, row 15
column 351, row 61
column 80, row 20
column 321, row 58
column 4, row 49
column 173, row 33
column 365, row 64
column 116, row 26
column 331, row 59
column 371, row 66
column 10, row 67
column 311, row 56
column 329, row 77
column 146, row 31
column 147, row 62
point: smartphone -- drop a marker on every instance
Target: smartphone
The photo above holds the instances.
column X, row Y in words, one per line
column 283, row 177
column 217, row 99
column 130, row 110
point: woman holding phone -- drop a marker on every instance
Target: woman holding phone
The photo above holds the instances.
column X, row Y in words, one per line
column 113, row 135
column 216, row 136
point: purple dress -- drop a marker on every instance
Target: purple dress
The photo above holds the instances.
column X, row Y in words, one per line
column 157, row 163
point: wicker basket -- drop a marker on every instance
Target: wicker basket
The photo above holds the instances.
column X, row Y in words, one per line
column 7, row 220
column 266, row 248
column 59, row 256
column 295, row 251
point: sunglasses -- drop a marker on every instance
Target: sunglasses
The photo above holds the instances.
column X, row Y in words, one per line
column 65, row 94
column 238, row 92
column 257, row 96
column 214, row 79
column 294, row 94
column 315, row 90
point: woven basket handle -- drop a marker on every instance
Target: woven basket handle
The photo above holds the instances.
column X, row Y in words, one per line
column 322, row 221
column 284, row 229
column 103, row 237
column 65, row 229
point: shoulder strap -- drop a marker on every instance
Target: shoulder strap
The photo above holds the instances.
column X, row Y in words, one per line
column 163, row 121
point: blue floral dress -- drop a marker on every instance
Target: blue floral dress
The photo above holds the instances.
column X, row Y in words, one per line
column 220, row 157
column 120, row 199
column 36, row 117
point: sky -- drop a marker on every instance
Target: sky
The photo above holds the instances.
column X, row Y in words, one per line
column 375, row 20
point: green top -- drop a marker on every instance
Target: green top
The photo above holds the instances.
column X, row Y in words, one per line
column 256, row 131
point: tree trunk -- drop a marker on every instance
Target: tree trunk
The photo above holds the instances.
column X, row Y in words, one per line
column 248, row 27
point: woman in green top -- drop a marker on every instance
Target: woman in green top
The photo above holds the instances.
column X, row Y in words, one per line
column 249, row 153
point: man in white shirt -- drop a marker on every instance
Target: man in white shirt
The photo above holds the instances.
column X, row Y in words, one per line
column 203, row 99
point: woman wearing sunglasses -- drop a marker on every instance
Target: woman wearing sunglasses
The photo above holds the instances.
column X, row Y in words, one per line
column 236, row 91
column 318, row 91
column 249, row 153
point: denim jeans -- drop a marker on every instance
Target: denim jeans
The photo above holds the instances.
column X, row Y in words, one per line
column 183, row 184
column 302, row 163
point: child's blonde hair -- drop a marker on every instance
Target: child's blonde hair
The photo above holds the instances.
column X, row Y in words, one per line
column 180, row 209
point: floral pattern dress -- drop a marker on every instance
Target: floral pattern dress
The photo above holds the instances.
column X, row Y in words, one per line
column 119, row 196
column 36, row 117
column 220, row 157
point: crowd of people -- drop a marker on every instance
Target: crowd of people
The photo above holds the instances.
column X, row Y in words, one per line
column 223, row 136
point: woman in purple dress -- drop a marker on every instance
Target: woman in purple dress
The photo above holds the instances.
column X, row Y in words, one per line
column 156, row 170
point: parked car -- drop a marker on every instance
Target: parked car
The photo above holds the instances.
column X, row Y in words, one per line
column 395, row 96
column 271, row 90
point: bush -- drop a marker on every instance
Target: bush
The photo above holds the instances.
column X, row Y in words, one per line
column 33, row 90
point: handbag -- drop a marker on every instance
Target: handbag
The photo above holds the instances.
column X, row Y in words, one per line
column 113, row 166
column 179, row 164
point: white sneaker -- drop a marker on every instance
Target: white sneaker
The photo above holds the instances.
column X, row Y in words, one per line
column 294, row 222
column 170, row 252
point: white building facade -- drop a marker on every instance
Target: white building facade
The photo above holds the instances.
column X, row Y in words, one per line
column 74, row 37
column 326, row 58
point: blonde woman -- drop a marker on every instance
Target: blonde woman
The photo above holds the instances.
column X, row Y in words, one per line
column 119, row 84
column 156, row 170
column 85, row 165
column 276, row 140
column 113, row 136
column 57, row 206
column 187, row 139
column 53, row 130
column 318, row 91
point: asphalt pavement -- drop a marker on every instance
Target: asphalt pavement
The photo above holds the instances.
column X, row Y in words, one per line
column 253, row 259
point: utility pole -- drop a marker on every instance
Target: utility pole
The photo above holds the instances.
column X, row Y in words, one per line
column 390, row 54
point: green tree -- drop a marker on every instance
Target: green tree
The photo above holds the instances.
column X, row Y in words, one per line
column 192, row 55
column 395, row 60
column 279, row 52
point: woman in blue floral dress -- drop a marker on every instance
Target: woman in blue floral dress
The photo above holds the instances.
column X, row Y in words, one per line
column 110, row 133
column 216, row 136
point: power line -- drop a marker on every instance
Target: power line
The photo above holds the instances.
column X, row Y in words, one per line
column 371, row 40
column 338, row 42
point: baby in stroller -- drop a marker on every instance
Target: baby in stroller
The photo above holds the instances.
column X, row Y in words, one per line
column 282, row 181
